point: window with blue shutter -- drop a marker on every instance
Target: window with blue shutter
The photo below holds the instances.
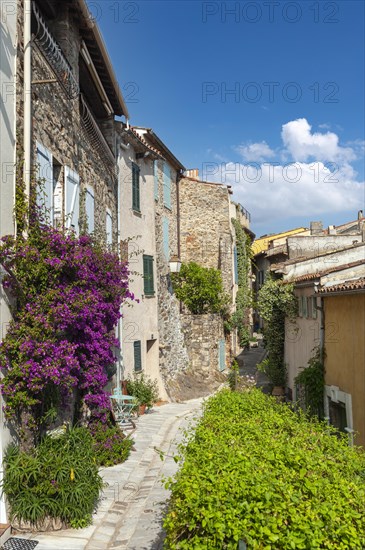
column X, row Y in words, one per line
column 165, row 238
column 222, row 354
column 235, row 265
column 166, row 185
column 155, row 174
column 137, row 351
column 136, row 204
column 45, row 176
column 72, row 198
column 109, row 227
column 90, row 208
column 148, row 282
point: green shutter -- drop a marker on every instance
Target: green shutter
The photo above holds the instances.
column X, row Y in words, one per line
column 137, row 355
column 135, row 188
column 222, row 354
column 148, row 275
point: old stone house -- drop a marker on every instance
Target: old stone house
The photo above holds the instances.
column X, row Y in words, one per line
column 207, row 237
column 60, row 98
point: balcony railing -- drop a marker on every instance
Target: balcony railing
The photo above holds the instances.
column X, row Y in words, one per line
column 53, row 53
column 97, row 140
column 244, row 212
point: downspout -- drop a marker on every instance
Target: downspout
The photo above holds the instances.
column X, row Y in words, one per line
column 27, row 91
column 178, row 213
column 120, row 321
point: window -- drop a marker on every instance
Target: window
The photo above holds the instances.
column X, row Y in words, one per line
column 235, row 259
column 72, row 193
column 148, row 282
column 137, row 351
column 155, row 174
column 109, row 227
column 89, row 206
column 165, row 238
column 166, row 185
column 45, row 187
column 300, row 306
column 305, row 310
column 136, row 205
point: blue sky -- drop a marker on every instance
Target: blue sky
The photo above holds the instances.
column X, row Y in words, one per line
column 290, row 139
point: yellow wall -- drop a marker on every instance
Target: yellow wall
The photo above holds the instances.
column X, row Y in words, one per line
column 345, row 352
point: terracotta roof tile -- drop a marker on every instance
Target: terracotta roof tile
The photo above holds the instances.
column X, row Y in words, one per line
column 357, row 284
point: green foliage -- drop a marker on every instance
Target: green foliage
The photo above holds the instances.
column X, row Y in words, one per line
column 233, row 375
column 276, row 301
column 110, row 445
column 58, row 479
column 143, row 388
column 256, row 471
column 240, row 319
column 312, row 380
column 200, row 289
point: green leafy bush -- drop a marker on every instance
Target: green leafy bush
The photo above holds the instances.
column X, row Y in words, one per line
column 143, row 388
column 58, row 479
column 311, row 379
column 110, row 445
column 200, row 289
column 259, row 472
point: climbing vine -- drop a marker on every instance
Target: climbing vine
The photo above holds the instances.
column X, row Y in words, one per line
column 58, row 353
column 311, row 378
column 240, row 319
column 276, row 300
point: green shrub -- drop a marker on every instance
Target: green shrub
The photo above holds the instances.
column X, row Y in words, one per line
column 110, row 445
column 143, row 388
column 57, row 479
column 200, row 289
column 312, row 380
column 259, row 472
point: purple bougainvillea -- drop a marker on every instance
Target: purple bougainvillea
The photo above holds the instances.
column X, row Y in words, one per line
column 58, row 350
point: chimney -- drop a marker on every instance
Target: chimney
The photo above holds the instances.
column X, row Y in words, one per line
column 316, row 228
column 332, row 230
column 360, row 215
column 192, row 173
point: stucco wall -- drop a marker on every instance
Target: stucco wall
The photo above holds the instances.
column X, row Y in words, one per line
column 140, row 320
column 345, row 352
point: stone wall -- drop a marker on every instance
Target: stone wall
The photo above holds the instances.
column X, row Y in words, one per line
column 206, row 230
column 173, row 354
column 57, row 124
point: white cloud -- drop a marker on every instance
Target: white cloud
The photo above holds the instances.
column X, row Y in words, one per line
column 273, row 192
column 255, row 152
column 302, row 144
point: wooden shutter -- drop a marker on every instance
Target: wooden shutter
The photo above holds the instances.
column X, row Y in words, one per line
column 166, row 185
column 45, row 187
column 90, row 208
column 235, row 265
column 155, row 174
column 165, row 237
column 72, row 193
column 314, row 308
column 135, row 188
column 222, row 354
column 137, row 355
column 148, row 281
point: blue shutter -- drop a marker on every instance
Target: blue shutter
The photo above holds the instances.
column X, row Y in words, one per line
column 45, row 175
column 90, row 208
column 148, row 281
column 155, row 174
column 166, row 185
column 136, row 205
column 222, row 354
column 235, row 265
column 165, row 236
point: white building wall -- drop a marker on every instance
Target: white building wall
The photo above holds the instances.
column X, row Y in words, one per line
column 8, row 45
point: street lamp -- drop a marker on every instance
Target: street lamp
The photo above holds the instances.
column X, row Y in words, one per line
column 175, row 264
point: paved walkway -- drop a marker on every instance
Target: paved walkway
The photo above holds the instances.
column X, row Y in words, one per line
column 130, row 514
column 248, row 361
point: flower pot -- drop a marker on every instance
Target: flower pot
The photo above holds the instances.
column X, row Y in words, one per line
column 279, row 393
column 141, row 409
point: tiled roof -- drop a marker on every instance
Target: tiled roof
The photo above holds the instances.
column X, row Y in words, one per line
column 140, row 138
column 357, row 284
column 318, row 274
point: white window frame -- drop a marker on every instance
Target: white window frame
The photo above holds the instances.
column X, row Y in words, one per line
column 337, row 396
column 45, row 174
column 90, row 203
column 72, row 221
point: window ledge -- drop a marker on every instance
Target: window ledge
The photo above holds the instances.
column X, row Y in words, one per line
column 168, row 207
column 149, row 295
column 137, row 212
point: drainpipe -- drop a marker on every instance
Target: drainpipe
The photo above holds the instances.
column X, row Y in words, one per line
column 322, row 325
column 27, row 90
column 178, row 213
column 120, row 368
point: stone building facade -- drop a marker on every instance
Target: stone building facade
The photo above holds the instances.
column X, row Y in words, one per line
column 74, row 98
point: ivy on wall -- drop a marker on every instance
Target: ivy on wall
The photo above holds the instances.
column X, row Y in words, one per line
column 311, row 378
column 240, row 318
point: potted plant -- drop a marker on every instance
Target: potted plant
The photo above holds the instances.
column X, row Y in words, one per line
column 144, row 389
